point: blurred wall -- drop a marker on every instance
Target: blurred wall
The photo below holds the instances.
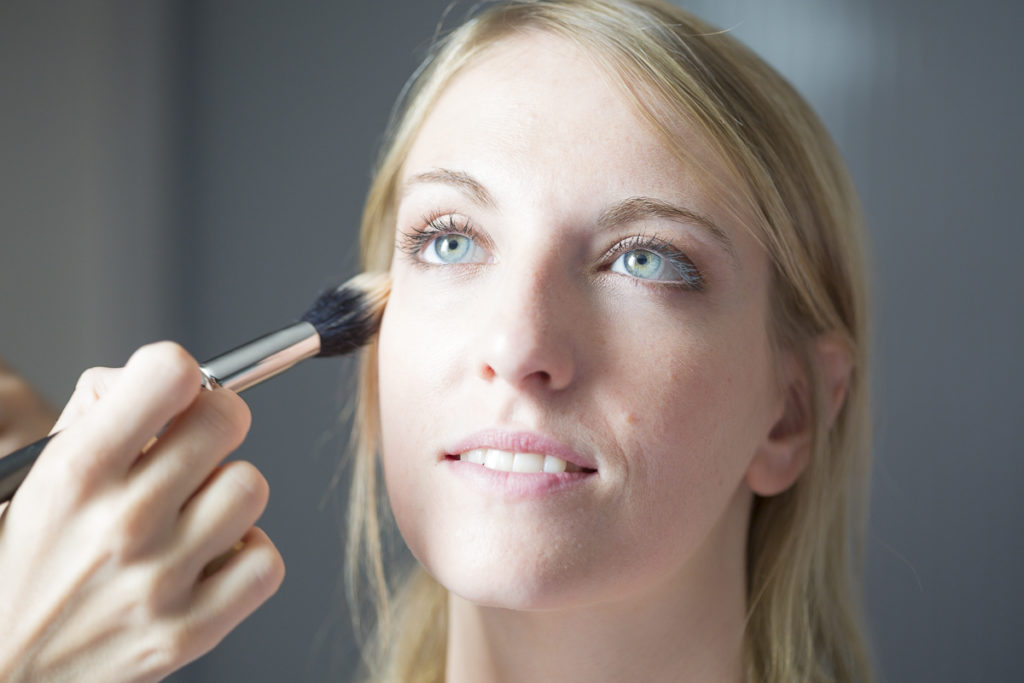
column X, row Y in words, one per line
column 88, row 195
column 195, row 170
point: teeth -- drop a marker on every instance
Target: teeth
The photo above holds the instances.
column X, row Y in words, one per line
column 476, row 455
column 528, row 462
column 498, row 460
column 505, row 461
column 554, row 465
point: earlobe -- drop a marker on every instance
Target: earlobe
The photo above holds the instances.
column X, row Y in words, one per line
column 786, row 449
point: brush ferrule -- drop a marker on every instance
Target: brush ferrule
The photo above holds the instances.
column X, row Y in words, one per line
column 251, row 363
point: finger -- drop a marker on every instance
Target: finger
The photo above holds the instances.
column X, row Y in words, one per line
column 92, row 384
column 187, row 452
column 245, row 582
column 216, row 563
column 159, row 381
column 219, row 514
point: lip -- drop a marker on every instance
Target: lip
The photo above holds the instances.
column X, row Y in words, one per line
column 520, row 442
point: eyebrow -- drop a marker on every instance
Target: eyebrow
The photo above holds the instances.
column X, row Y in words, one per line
column 464, row 182
column 636, row 209
column 630, row 210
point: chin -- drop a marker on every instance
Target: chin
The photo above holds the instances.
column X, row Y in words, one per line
column 518, row 579
column 523, row 594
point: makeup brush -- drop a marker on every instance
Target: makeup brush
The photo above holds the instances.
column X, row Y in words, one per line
column 340, row 321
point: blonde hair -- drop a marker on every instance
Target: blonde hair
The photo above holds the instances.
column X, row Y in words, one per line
column 804, row 546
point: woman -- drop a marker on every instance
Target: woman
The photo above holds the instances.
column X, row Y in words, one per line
column 622, row 249
column 617, row 397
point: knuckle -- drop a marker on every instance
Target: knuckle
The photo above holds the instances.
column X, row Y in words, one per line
column 174, row 365
column 92, row 380
column 87, row 379
column 123, row 542
column 163, row 350
column 166, row 650
column 131, row 531
column 90, row 387
column 161, row 594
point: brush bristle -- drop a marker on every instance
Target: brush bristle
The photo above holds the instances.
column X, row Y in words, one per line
column 348, row 316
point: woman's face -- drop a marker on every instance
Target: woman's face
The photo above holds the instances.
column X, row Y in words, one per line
column 566, row 296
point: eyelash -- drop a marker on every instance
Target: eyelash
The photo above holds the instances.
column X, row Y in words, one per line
column 414, row 242
column 691, row 277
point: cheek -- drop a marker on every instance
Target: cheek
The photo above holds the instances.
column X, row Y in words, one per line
column 416, row 369
column 419, row 351
column 687, row 415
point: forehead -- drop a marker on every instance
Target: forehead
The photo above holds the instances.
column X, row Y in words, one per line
column 536, row 95
column 536, row 110
column 533, row 96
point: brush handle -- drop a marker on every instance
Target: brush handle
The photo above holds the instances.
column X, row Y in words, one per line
column 238, row 369
column 262, row 358
column 14, row 467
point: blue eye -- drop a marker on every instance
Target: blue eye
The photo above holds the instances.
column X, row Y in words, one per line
column 641, row 263
column 453, row 248
column 656, row 261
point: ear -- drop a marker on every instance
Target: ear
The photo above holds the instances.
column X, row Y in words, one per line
column 786, row 449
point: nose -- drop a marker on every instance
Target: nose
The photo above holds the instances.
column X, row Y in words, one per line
column 527, row 340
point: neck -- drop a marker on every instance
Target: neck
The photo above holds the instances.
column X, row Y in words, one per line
column 688, row 628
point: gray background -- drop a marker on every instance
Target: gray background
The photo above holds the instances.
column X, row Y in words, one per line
column 195, row 170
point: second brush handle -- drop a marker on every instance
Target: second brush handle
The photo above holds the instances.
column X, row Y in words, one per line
column 14, row 467
column 238, row 369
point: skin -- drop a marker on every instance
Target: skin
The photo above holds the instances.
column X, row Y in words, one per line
column 673, row 395
column 106, row 550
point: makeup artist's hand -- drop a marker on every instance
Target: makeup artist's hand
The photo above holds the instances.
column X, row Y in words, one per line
column 103, row 550
column 24, row 415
